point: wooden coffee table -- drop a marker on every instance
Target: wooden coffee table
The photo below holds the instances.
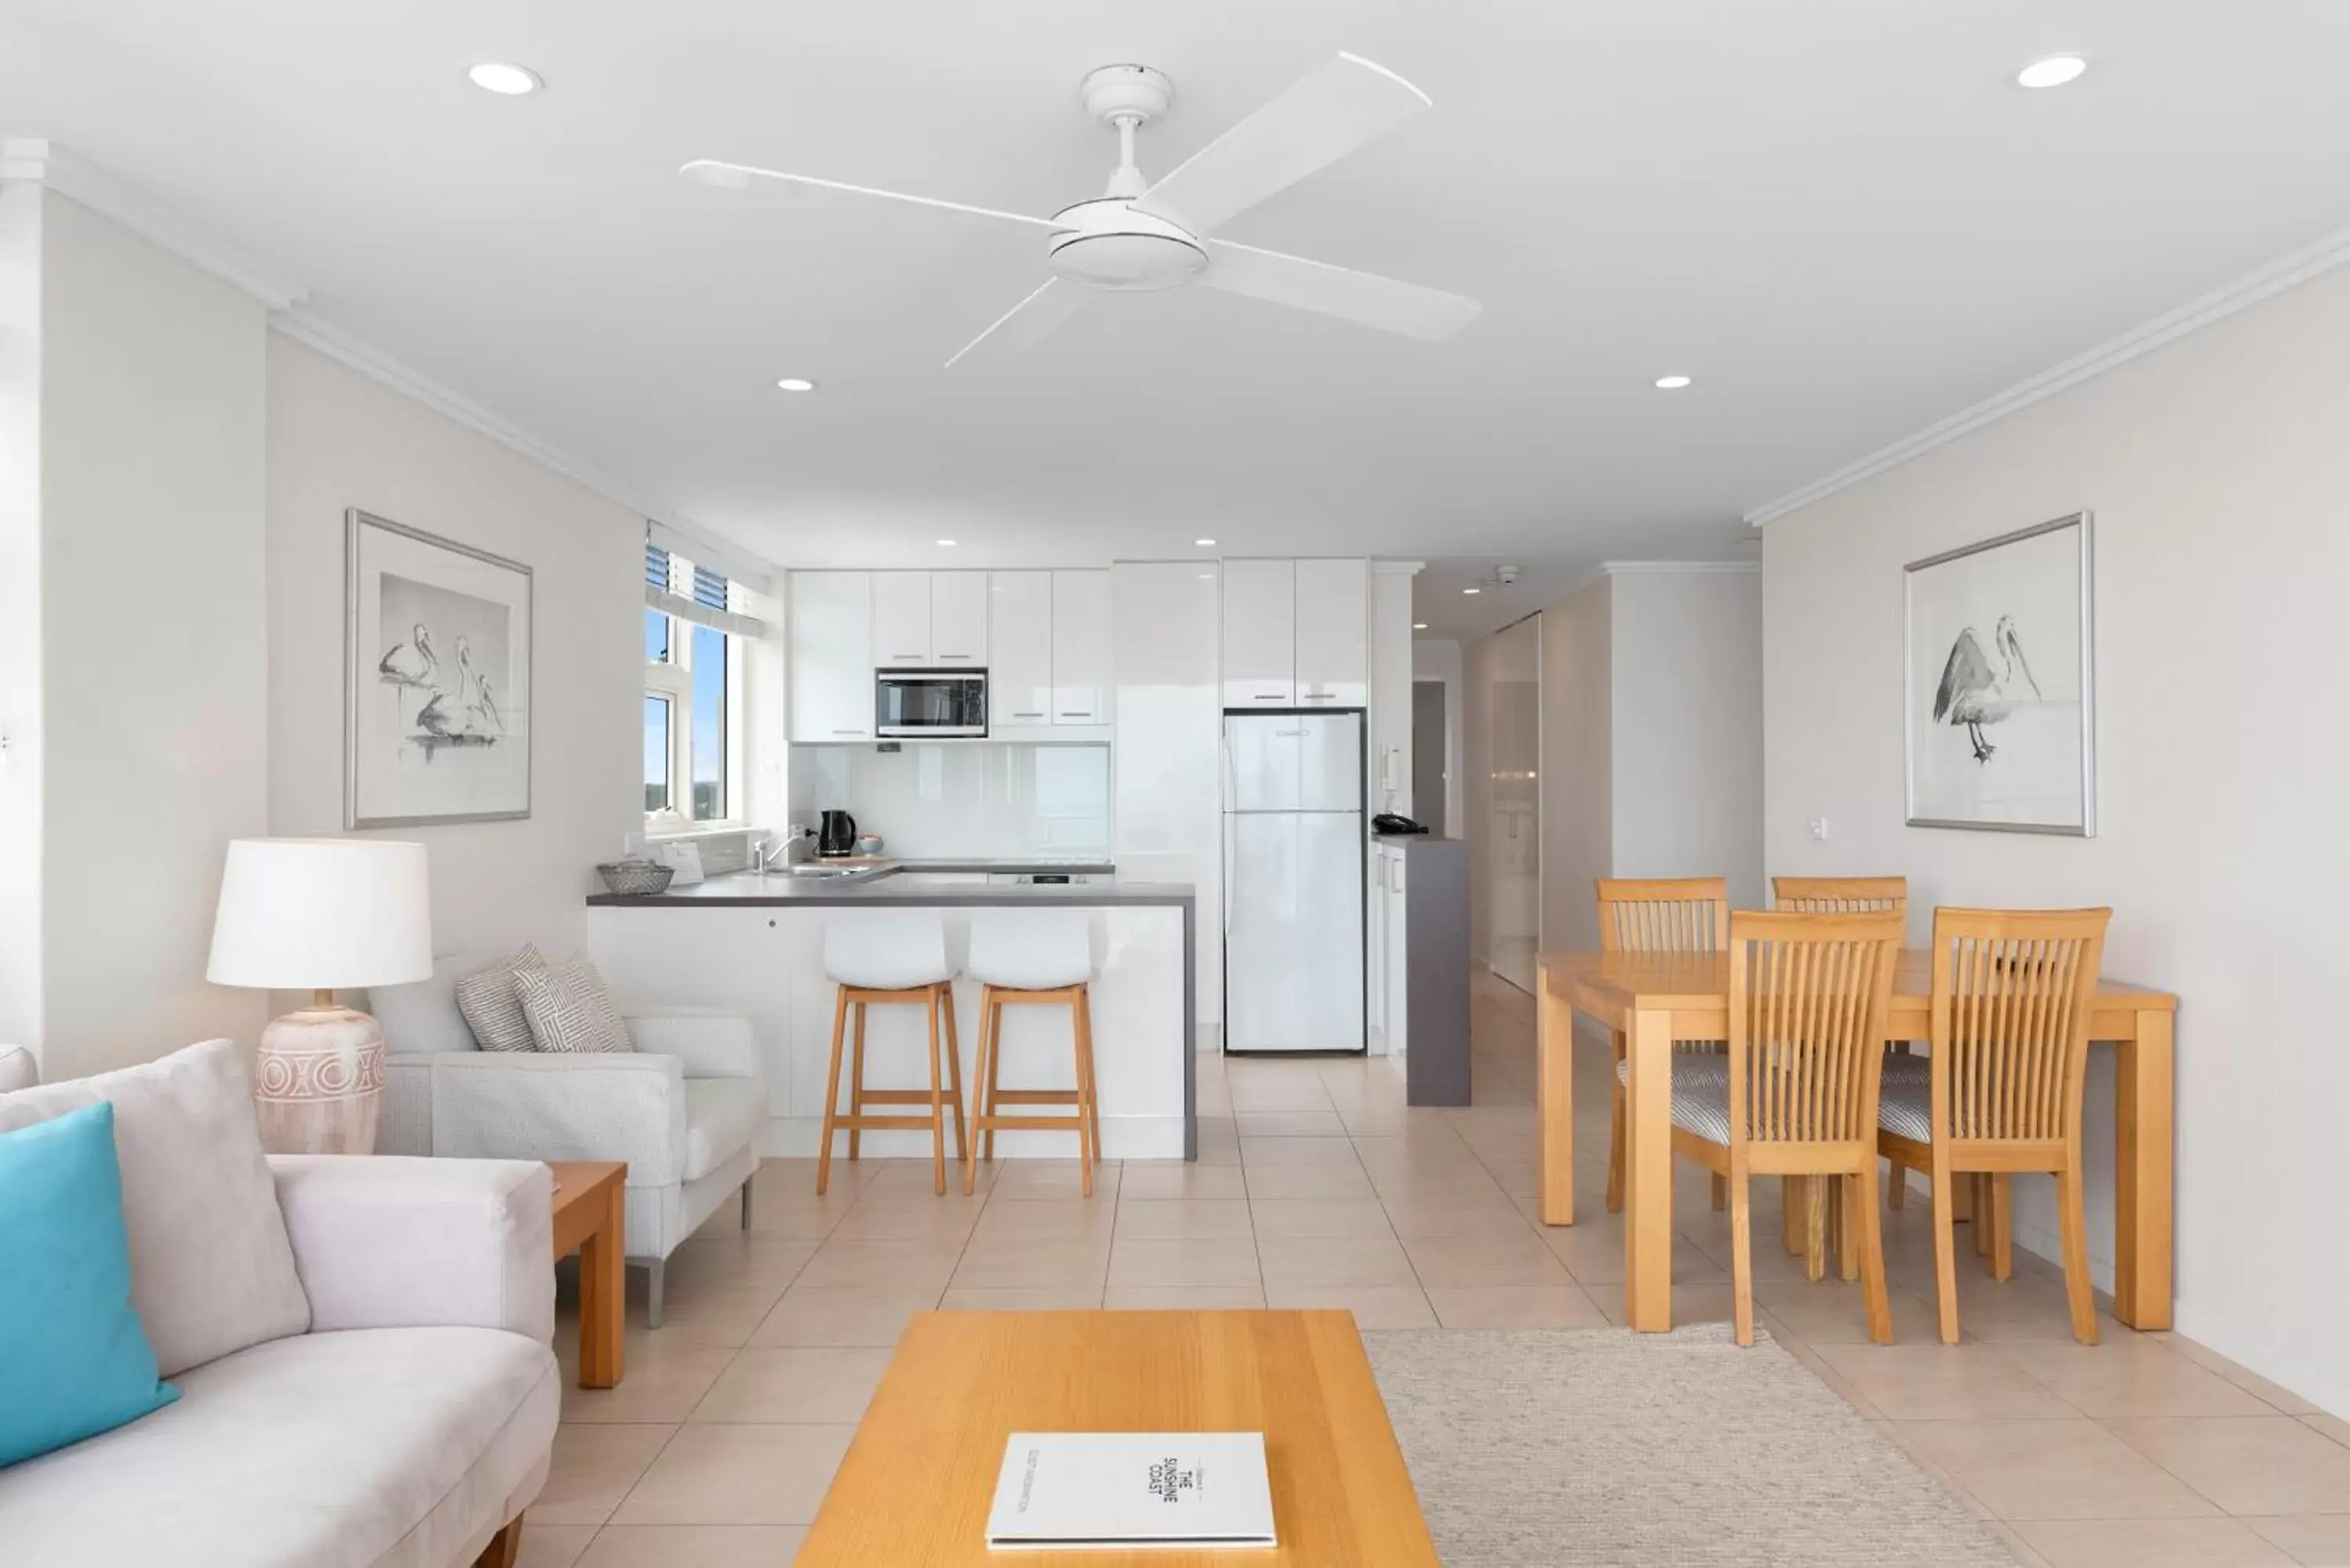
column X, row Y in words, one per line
column 590, row 1218
column 917, row 1481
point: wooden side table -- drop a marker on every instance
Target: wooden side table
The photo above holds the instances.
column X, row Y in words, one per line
column 590, row 1218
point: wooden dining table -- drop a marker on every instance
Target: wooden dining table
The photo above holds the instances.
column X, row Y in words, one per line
column 1655, row 999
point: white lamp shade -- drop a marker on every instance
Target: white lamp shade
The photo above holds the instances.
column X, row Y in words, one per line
column 322, row 914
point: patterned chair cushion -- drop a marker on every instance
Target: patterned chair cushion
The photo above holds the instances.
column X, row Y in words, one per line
column 1907, row 1070
column 1906, row 1109
column 569, row 1009
column 491, row 1005
column 1688, row 1068
column 1701, row 1106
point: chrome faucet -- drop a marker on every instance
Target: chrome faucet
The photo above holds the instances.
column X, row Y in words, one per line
column 777, row 849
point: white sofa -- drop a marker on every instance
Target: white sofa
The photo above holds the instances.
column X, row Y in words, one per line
column 684, row 1109
column 405, row 1420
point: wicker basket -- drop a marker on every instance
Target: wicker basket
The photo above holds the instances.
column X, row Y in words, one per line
column 635, row 879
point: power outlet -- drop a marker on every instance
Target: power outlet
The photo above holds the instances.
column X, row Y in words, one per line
column 1819, row 827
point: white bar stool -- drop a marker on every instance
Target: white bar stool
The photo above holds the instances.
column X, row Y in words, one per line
column 881, row 958
column 1023, row 956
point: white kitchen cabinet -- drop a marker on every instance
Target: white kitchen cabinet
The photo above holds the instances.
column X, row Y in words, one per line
column 959, row 620
column 902, row 620
column 832, row 661
column 1081, row 655
column 1019, row 648
column 1260, row 634
column 1332, row 634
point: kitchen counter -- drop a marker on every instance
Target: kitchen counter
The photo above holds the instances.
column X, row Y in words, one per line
column 757, row 889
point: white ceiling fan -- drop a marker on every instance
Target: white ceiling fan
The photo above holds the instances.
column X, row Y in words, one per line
column 1138, row 235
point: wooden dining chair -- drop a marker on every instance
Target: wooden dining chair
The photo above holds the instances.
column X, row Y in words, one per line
column 1808, row 995
column 2012, row 990
column 1660, row 915
column 1856, row 895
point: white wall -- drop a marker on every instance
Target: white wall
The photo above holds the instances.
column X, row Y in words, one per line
column 20, row 613
column 1686, row 704
column 1578, row 822
column 339, row 440
column 152, row 638
column 2219, row 472
column 1439, row 659
column 957, row 799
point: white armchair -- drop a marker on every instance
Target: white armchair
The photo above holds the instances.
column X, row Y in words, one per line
column 684, row 1109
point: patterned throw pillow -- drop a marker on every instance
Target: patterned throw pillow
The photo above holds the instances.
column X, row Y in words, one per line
column 492, row 1011
column 569, row 1009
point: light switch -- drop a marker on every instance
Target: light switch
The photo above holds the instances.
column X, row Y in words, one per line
column 1819, row 827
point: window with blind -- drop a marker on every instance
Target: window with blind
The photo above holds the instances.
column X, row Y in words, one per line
column 694, row 629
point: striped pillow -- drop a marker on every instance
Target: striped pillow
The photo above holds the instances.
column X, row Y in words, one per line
column 492, row 1011
column 569, row 1009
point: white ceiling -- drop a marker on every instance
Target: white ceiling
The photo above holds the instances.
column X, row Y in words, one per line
column 1840, row 216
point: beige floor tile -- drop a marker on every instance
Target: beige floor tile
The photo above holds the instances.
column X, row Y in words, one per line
column 1065, row 1218
column 2130, row 1376
column 1517, row 1306
column 594, row 1466
column 1183, row 1298
column 1320, row 1261
column 1258, row 1153
column 1158, row 1219
column 2149, row 1543
column 2333, row 1427
column 725, row 1474
column 799, row 1384
column 2252, row 1383
column 1184, row 1260
column 1022, row 1298
column 1704, row 1300
column 1023, row 1179
column 2029, row 1469
column 1275, row 1091
column 736, row 1258
column 815, row 1316
column 898, row 1219
column 1308, row 1181
column 662, row 1380
column 1289, row 1124
column 1374, row 1306
column 709, row 1316
column 1156, row 1182
column 1285, row 1219
column 1832, row 1312
column 2316, row 1540
column 552, row 1545
column 867, row 1263
column 2259, row 1464
column 1483, row 1259
column 1943, row 1382
column 1050, row 1262
column 693, row 1546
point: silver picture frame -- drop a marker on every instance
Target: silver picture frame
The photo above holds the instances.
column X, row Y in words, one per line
column 1917, row 719
column 359, row 660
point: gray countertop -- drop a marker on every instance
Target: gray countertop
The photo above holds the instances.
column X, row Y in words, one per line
column 752, row 889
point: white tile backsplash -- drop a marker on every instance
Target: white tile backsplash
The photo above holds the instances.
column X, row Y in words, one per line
column 962, row 798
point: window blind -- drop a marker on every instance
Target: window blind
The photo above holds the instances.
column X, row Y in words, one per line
column 692, row 592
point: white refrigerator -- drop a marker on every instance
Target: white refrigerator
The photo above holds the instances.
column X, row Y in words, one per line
column 1294, row 845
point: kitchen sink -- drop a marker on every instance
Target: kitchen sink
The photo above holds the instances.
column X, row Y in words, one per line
column 836, row 872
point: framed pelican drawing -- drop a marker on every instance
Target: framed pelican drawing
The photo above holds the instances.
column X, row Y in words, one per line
column 1999, row 702
column 436, row 718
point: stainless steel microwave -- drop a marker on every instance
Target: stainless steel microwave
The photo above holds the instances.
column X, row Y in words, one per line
column 930, row 703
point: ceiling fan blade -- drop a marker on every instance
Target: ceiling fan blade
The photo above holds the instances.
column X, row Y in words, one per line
column 775, row 184
column 1429, row 313
column 1346, row 104
column 1024, row 325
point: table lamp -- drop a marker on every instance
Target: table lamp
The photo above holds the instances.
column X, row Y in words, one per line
column 320, row 915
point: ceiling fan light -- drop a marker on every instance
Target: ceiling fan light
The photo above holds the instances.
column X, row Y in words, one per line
column 1105, row 244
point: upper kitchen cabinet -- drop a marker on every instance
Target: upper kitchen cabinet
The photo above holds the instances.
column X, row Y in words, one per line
column 901, row 618
column 1081, row 652
column 959, row 618
column 1020, row 649
column 1334, row 647
column 1260, row 634
column 832, row 656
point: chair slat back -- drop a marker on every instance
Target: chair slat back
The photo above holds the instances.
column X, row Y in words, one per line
column 1841, row 895
column 1808, row 995
column 1668, row 915
column 2013, row 991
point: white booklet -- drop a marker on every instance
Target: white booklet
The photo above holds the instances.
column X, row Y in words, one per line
column 1131, row 1489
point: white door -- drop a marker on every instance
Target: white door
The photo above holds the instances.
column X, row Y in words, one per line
column 1260, row 634
column 1081, row 675
column 1019, row 648
column 902, row 620
column 1334, row 639
column 959, row 620
column 831, row 656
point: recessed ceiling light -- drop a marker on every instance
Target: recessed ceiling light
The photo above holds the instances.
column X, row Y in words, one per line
column 1672, row 383
column 948, row 542
column 795, row 384
column 1472, row 590
column 1203, row 543
column 2053, row 71
column 507, row 79
column 1420, row 625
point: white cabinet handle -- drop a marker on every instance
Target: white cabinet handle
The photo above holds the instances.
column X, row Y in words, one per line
column 1029, row 715
column 1269, row 696
column 944, row 656
column 849, row 731
column 1080, row 713
column 915, row 658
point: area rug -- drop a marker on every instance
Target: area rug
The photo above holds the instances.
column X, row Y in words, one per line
column 1532, row 1449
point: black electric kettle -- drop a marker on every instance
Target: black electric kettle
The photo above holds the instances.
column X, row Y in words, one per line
column 837, row 836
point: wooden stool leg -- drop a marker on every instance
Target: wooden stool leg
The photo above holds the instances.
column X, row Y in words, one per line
column 832, row 1095
column 955, row 1072
column 1742, row 1259
column 1815, row 1228
column 1862, row 1192
column 938, row 1105
column 1946, row 1264
column 1896, row 1186
column 1791, row 1214
column 1847, row 1189
column 1092, row 1088
column 2002, row 1227
column 992, row 1009
column 857, row 1083
column 1986, row 1217
column 2073, row 1224
column 982, row 1070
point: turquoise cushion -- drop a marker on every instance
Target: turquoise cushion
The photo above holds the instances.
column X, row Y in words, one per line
column 74, row 1357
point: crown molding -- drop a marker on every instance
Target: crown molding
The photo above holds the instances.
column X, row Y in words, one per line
column 2294, row 267
column 33, row 160
column 1396, row 568
column 1671, row 568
